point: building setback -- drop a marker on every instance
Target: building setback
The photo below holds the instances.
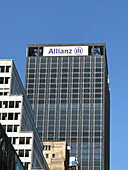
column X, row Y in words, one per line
column 68, row 87
column 17, row 118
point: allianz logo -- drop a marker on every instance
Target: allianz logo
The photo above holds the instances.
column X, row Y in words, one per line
column 77, row 51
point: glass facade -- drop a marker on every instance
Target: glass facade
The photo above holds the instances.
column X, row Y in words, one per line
column 70, row 98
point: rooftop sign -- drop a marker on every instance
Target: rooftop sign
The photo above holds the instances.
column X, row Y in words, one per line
column 65, row 51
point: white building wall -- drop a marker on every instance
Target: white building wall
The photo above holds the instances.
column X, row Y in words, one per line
column 19, row 121
column 13, row 127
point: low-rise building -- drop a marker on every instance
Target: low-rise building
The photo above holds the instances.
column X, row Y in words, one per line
column 56, row 154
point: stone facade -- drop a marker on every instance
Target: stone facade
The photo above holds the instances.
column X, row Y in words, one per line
column 55, row 153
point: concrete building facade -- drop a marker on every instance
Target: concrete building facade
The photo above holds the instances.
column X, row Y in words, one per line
column 17, row 118
column 56, row 154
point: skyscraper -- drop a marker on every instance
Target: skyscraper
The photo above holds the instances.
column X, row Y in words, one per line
column 68, row 87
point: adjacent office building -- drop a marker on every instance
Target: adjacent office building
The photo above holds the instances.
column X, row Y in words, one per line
column 17, row 118
column 68, row 87
column 9, row 159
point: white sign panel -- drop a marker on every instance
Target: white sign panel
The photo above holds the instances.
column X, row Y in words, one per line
column 65, row 51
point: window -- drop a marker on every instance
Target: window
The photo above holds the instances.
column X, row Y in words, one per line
column 4, row 116
column 65, row 65
column 87, row 64
column 75, row 75
column 75, row 90
column 75, row 101
column 1, row 80
column 62, row 128
column 53, row 91
column 5, row 104
column 64, row 70
column 41, row 51
column 63, row 117
column 53, row 85
column 54, row 65
column 98, row 50
column 76, row 59
column 53, row 75
column 52, row 101
column 53, row 155
column 15, row 128
column 97, row 151
column 31, row 80
column 63, row 101
column 52, row 96
column 21, row 153
column 64, row 80
column 22, row 140
column 17, row 104
column 31, row 76
column 87, row 75
column 7, row 68
column 1, row 69
column 64, row 91
column 96, row 156
column 75, row 80
column 85, row 163
column 11, row 104
column 76, row 65
column 27, row 165
column 10, row 116
column 27, row 140
column 43, row 66
column 65, row 59
column 53, row 70
column 27, row 153
column 4, row 127
column 76, row 70
column 54, row 60
column 32, row 60
column 14, row 140
column 64, row 75
column 43, row 60
column 97, row 163
column 9, row 128
column 33, row 51
column 16, row 116
column 64, row 85
column 47, row 155
column 6, row 80
column 62, row 122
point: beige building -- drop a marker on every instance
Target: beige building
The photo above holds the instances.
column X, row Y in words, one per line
column 56, row 154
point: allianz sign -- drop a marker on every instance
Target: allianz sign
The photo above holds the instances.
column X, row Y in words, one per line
column 65, row 51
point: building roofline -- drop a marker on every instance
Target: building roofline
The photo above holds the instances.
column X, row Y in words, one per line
column 6, row 59
column 68, row 44
column 52, row 141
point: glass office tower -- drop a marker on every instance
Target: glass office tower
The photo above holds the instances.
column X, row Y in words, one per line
column 68, row 87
